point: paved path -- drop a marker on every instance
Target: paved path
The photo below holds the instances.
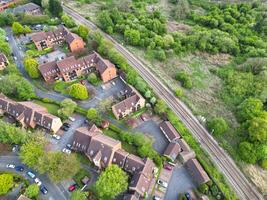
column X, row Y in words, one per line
column 223, row 161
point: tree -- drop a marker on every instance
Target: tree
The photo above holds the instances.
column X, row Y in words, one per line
column 6, row 183
column 160, row 107
column 92, row 78
column 83, row 31
column 55, row 8
column 105, row 21
column 17, row 28
column 67, row 108
column 59, row 166
column 68, row 21
column 31, row 66
column 185, row 79
column 247, row 152
column 132, row 36
column 263, row 163
column 93, row 115
column 32, row 191
column 258, row 130
column 31, row 152
column 27, row 29
column 111, row 183
column 249, row 109
column 79, row 195
column 217, row 125
column 4, row 47
column 78, row 91
column 178, row 92
column 182, row 9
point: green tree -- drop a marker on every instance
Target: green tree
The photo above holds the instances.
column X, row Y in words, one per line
column 78, row 91
column 32, row 191
column 31, row 66
column 182, row 9
column 83, row 32
column 160, row 107
column 105, row 21
column 258, row 130
column 6, row 183
column 55, row 8
column 27, row 29
column 11, row 134
column 247, row 152
column 93, row 115
column 92, row 78
column 67, row 108
column 132, row 36
column 263, row 163
column 4, row 47
column 68, row 21
column 31, row 152
column 185, row 79
column 178, row 92
column 17, row 28
column 217, row 125
column 79, row 195
column 111, row 183
column 249, row 109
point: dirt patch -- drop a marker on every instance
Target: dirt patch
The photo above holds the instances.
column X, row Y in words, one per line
column 173, row 26
column 4, row 148
column 258, row 176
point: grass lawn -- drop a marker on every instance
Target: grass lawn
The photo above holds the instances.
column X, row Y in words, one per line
column 83, row 159
column 52, row 108
column 80, row 175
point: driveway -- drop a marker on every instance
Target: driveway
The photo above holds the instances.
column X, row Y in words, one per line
column 54, row 192
column 180, row 182
column 152, row 128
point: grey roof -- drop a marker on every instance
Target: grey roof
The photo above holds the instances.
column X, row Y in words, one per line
column 197, row 172
column 26, row 8
column 171, row 133
column 172, row 150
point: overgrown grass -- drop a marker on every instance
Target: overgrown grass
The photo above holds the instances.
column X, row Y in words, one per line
column 80, row 175
column 51, row 107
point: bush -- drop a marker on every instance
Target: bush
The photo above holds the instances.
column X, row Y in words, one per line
column 78, row 91
column 92, row 78
column 263, row 163
column 217, row 125
column 179, row 92
column 185, row 79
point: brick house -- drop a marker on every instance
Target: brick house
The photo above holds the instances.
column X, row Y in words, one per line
column 4, row 4
column 71, row 68
column 169, row 131
column 3, row 61
column 28, row 9
column 133, row 101
column 29, row 114
column 44, row 40
column 104, row 151
column 172, row 151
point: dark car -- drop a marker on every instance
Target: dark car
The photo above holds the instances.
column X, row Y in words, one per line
column 64, row 128
column 19, row 168
column 43, row 190
column 72, row 187
column 66, row 125
column 188, row 196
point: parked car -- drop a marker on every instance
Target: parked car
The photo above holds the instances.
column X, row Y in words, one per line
column 57, row 137
column 156, row 198
column 15, row 58
column 37, row 181
column 72, row 119
column 162, row 183
column 188, row 196
column 10, row 166
column 43, row 190
column 19, row 168
column 66, row 124
column 15, row 148
column 86, row 121
column 7, row 39
column 64, row 128
column 72, row 187
column 31, row 174
column 67, row 151
column 168, row 167
column 68, row 146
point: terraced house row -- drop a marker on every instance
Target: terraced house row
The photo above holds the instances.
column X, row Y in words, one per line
column 29, row 114
column 104, row 151
column 71, row 68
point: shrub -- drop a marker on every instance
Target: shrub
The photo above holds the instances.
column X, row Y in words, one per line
column 179, row 92
column 217, row 125
column 92, row 78
column 185, row 79
column 263, row 163
column 78, row 91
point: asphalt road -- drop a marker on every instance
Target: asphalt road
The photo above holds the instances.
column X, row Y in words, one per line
column 240, row 184
column 54, row 190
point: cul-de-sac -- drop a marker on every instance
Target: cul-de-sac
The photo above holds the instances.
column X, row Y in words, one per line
column 133, row 100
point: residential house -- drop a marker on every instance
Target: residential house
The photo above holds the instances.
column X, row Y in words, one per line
column 169, row 131
column 71, row 68
column 172, row 151
column 74, row 42
column 28, row 9
column 3, row 61
column 197, row 172
column 44, row 40
column 30, row 114
column 104, row 151
column 186, row 152
column 4, row 4
column 133, row 101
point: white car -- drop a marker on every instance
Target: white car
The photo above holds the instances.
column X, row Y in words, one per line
column 10, row 166
column 37, row 181
column 15, row 58
column 57, row 137
column 67, row 151
column 7, row 39
column 162, row 183
column 72, row 119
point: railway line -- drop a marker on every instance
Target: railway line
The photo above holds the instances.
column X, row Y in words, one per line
column 244, row 189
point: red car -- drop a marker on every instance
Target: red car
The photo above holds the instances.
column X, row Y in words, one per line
column 168, row 167
column 72, row 187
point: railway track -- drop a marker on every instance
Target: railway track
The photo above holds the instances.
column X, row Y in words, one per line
column 222, row 160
